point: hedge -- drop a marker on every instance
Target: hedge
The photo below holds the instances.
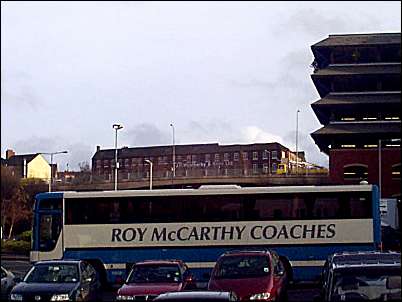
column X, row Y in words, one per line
column 15, row 246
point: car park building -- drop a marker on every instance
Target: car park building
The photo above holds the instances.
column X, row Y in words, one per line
column 358, row 79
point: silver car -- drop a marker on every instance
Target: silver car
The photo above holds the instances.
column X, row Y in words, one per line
column 7, row 283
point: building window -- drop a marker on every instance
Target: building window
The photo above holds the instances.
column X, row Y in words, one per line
column 255, row 155
column 265, row 168
column 396, row 171
column 274, row 167
column 265, row 154
column 194, row 159
column 255, row 168
column 370, row 146
column 236, row 156
column 348, row 119
column 355, row 171
column 245, row 156
column 216, row 156
column 348, row 146
column 274, row 154
column 189, row 158
column 226, row 156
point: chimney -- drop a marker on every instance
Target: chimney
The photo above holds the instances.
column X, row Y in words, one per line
column 97, row 148
column 9, row 153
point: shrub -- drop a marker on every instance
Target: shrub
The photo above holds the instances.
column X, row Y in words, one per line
column 26, row 236
column 16, row 246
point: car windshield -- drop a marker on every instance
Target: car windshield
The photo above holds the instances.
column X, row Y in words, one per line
column 242, row 267
column 155, row 274
column 53, row 273
column 367, row 284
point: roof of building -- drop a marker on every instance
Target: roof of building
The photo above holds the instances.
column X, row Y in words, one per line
column 359, row 128
column 324, row 135
column 359, row 98
column 360, row 39
column 356, row 102
column 153, row 151
column 358, row 69
column 18, row 160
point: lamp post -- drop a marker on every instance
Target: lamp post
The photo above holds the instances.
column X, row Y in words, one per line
column 150, row 172
column 51, row 166
column 269, row 161
column 174, row 152
column 297, row 136
column 116, row 127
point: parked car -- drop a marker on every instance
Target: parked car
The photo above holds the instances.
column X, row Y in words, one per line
column 361, row 276
column 63, row 280
column 252, row 275
column 8, row 281
column 194, row 296
column 148, row 279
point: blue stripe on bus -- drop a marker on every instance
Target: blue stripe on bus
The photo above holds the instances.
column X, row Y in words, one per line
column 211, row 254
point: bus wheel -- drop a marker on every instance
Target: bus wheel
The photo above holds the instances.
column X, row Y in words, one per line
column 100, row 269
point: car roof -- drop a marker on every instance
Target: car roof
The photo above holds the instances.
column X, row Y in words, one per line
column 58, row 262
column 204, row 295
column 160, row 262
column 247, row 252
column 366, row 257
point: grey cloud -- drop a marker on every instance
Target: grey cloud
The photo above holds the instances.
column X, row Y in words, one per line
column 17, row 90
column 145, row 135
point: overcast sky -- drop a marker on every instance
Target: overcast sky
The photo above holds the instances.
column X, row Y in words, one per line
column 221, row 72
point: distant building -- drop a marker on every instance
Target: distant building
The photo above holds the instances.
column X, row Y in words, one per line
column 28, row 165
column 358, row 78
column 197, row 160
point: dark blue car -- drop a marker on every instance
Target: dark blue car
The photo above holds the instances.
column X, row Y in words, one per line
column 62, row 280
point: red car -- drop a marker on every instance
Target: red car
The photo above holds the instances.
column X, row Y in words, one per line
column 252, row 275
column 148, row 279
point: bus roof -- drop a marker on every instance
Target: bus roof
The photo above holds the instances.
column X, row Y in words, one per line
column 221, row 190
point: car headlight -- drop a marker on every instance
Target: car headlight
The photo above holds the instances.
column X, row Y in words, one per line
column 124, row 298
column 262, row 296
column 60, row 297
column 16, row 297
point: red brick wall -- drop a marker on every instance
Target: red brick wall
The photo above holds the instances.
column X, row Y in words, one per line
column 390, row 186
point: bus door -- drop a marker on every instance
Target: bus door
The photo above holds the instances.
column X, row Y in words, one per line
column 47, row 224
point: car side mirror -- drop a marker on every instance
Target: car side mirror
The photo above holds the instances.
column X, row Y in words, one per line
column 189, row 278
column 120, row 281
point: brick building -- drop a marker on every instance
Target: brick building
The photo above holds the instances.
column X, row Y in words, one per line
column 198, row 160
column 358, row 79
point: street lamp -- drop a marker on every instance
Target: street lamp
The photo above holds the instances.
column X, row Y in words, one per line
column 150, row 172
column 174, row 152
column 51, row 166
column 297, row 136
column 116, row 127
column 269, row 161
